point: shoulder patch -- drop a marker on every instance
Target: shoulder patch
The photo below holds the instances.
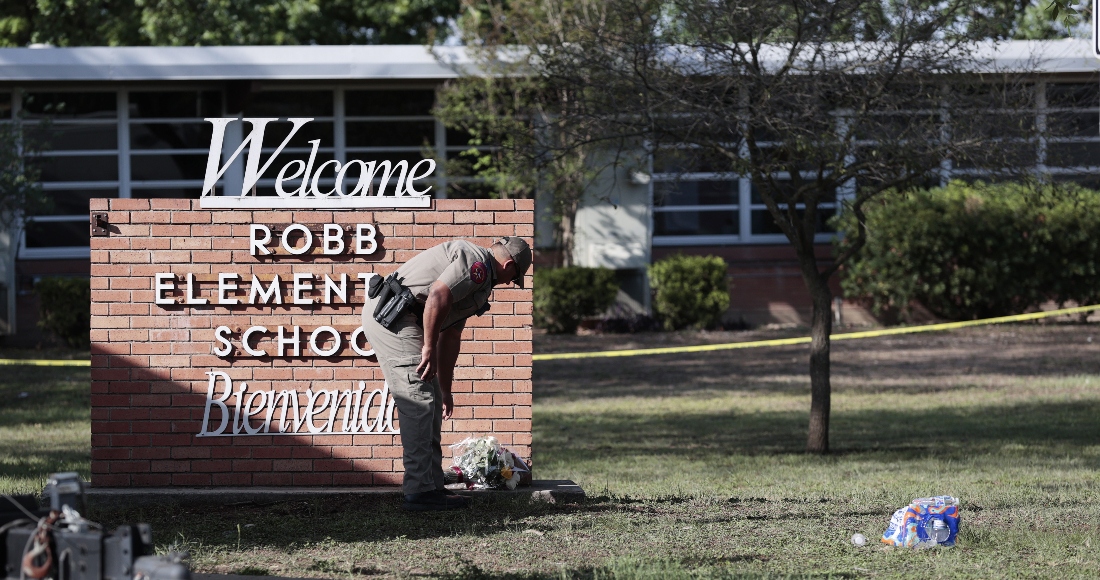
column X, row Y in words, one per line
column 479, row 272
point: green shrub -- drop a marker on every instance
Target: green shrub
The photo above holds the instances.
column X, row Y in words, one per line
column 563, row 296
column 976, row 251
column 690, row 291
column 65, row 308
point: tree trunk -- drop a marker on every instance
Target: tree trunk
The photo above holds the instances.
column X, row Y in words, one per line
column 820, row 387
column 566, row 241
column 567, row 225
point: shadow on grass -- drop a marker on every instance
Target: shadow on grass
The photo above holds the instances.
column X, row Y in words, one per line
column 366, row 518
column 297, row 525
column 945, row 431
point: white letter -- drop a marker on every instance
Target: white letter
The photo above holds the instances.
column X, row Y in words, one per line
column 302, row 281
column 336, row 343
column 237, row 408
column 364, row 424
column 260, row 244
column 288, row 397
column 317, row 175
column 413, row 177
column 355, row 343
column 191, row 298
column 226, row 282
column 247, row 335
column 294, row 341
column 306, row 234
column 249, row 411
column 254, row 142
column 220, row 335
column 258, row 291
column 351, row 413
column 365, row 233
column 332, row 233
column 359, row 185
column 387, row 172
column 165, row 282
column 341, row 290
column 215, row 154
column 389, row 402
column 309, row 169
column 220, row 402
column 311, row 410
column 336, row 397
column 279, row 180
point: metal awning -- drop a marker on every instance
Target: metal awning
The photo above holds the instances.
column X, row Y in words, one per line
column 203, row 63
column 382, row 62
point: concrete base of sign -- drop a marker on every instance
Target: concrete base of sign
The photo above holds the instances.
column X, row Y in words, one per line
column 553, row 491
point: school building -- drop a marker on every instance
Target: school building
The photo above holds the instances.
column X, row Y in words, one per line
column 128, row 122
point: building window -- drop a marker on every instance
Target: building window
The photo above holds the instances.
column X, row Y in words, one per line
column 1072, row 115
column 712, row 209
column 764, row 225
column 169, row 141
column 690, row 208
column 700, row 205
column 391, row 124
column 78, row 131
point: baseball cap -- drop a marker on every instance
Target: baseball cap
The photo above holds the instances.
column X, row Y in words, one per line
column 521, row 254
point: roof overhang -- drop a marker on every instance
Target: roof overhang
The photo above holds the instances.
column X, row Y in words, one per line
column 392, row 62
column 205, row 63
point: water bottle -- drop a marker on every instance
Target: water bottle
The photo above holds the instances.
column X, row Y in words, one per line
column 940, row 532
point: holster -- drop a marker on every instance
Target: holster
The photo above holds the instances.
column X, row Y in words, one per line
column 394, row 300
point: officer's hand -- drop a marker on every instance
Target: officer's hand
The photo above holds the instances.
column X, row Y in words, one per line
column 448, row 405
column 427, row 367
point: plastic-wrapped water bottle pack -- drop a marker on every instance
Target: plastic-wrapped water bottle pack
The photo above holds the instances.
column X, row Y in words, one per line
column 926, row 522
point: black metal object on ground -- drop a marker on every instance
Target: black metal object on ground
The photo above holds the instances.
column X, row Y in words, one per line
column 57, row 543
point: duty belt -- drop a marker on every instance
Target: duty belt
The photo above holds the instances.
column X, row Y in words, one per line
column 394, row 300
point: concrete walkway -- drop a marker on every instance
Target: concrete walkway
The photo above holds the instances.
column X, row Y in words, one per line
column 552, row 491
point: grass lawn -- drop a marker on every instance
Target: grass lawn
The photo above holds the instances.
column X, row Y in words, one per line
column 44, row 423
column 694, row 468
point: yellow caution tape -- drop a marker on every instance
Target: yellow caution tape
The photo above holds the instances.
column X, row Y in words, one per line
column 707, row 347
column 806, row 339
column 44, row 363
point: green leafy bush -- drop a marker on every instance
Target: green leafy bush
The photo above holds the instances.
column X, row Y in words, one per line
column 690, row 291
column 65, row 308
column 976, row 251
column 564, row 296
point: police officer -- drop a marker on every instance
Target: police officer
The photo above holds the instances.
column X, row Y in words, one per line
column 417, row 353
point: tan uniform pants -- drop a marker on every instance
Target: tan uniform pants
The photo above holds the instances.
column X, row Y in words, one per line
column 419, row 402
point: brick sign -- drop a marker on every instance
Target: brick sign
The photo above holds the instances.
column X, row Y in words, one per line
column 226, row 347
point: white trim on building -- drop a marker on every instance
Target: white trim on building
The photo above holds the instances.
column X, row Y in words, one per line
column 199, row 63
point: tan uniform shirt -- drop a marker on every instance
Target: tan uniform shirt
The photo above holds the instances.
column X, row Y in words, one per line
column 465, row 268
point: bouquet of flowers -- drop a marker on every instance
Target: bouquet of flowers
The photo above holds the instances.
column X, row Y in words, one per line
column 483, row 463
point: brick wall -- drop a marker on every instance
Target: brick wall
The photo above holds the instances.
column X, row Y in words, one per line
column 150, row 361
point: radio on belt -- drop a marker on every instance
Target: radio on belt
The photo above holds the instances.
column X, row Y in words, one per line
column 394, row 299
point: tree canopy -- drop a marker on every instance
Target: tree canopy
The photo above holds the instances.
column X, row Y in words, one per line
column 255, row 22
column 221, row 22
column 818, row 102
